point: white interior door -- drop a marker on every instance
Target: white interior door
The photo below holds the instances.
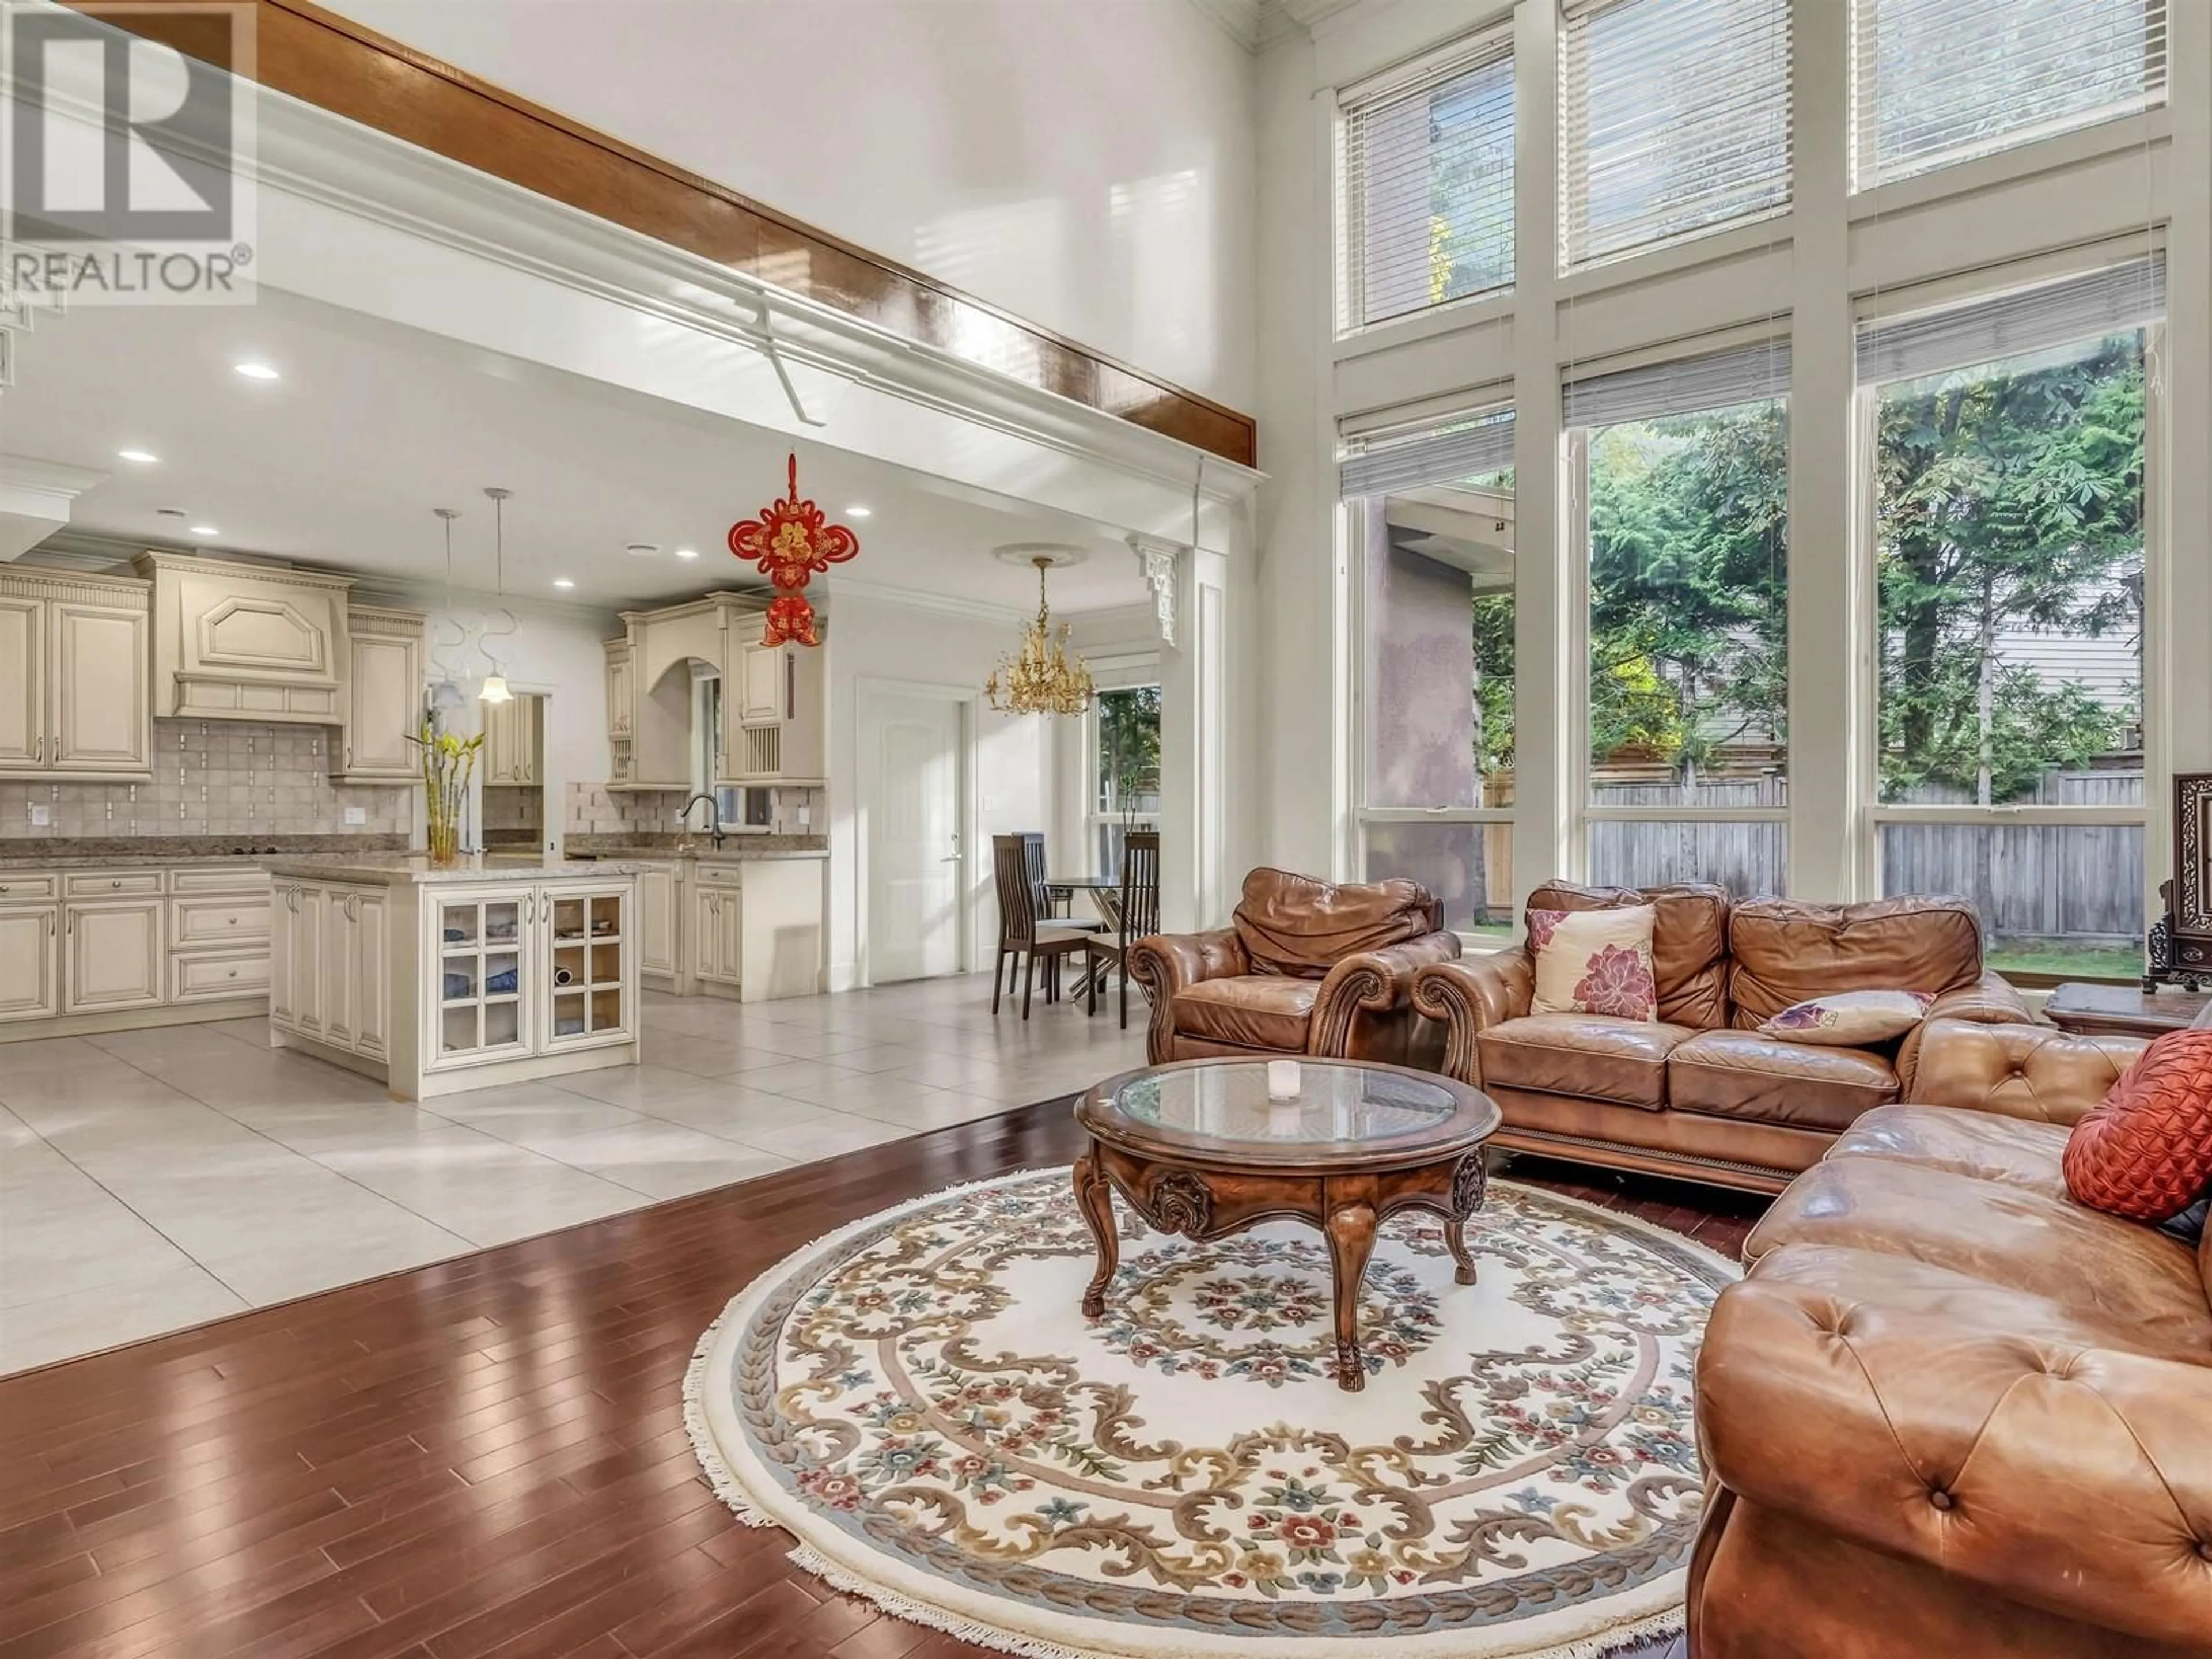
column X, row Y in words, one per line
column 910, row 781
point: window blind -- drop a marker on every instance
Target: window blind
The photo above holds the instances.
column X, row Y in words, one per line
column 1468, row 447
column 2087, row 307
column 1935, row 81
column 1681, row 387
column 1674, row 121
column 1428, row 178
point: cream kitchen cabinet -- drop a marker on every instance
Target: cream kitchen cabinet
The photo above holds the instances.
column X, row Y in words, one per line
column 659, row 929
column 513, row 741
column 109, row 949
column 718, row 952
column 114, row 955
column 74, row 698
column 780, row 730
column 384, row 696
column 329, row 974
column 30, row 962
column 438, row 981
column 622, row 690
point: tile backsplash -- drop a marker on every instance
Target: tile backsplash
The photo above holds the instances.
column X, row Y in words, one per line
column 216, row 777
column 594, row 810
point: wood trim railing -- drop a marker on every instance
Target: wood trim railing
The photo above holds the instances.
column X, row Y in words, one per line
column 332, row 63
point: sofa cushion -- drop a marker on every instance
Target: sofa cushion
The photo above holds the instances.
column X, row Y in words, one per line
column 1689, row 942
column 1849, row 1019
column 2146, row 1153
column 1743, row 1074
column 1296, row 925
column 1959, row 1302
column 1594, row 962
column 1782, row 952
column 1622, row 1061
column 2102, row 1271
column 1252, row 1011
column 2015, row 1151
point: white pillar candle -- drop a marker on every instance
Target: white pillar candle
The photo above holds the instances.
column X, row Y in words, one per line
column 1282, row 1079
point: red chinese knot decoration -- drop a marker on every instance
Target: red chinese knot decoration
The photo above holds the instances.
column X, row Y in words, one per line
column 792, row 544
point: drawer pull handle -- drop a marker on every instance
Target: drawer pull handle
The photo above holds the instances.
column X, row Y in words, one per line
column 118, row 883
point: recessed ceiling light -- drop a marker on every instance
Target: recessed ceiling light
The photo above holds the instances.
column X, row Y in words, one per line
column 144, row 457
column 687, row 552
column 256, row 371
column 562, row 581
column 860, row 512
column 205, row 530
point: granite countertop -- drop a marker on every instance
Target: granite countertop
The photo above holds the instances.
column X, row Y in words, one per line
column 660, row 848
column 404, row 869
column 126, row 852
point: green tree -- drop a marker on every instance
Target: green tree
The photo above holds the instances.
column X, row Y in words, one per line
column 2007, row 500
column 1689, row 536
column 1129, row 745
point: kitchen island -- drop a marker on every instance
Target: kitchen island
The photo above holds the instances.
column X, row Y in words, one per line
column 437, row 979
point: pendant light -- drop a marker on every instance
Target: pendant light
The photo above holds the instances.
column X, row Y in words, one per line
column 495, row 683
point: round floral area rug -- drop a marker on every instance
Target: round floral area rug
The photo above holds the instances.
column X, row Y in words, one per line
column 919, row 1398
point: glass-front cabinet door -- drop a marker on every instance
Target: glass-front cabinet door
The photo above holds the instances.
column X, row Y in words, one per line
column 588, row 940
column 483, row 978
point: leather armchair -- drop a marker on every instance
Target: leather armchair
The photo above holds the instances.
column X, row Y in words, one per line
column 1950, row 1410
column 1307, row 968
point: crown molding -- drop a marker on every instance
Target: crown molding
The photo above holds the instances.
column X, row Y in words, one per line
column 1243, row 21
column 1256, row 25
column 916, row 599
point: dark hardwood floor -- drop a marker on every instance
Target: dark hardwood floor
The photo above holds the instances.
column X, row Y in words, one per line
column 481, row 1458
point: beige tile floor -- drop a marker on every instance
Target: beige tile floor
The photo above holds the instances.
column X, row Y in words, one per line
column 152, row 1180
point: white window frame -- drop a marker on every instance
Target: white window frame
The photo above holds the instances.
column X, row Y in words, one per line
column 1130, row 674
column 1579, row 770
column 1363, row 816
column 2158, row 770
column 1492, row 42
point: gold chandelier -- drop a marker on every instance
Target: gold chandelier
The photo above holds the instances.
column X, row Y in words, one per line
column 1040, row 678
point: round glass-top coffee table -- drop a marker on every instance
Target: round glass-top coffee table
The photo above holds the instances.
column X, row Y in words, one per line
column 1208, row 1147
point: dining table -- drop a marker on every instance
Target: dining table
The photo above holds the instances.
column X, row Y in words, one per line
column 1105, row 894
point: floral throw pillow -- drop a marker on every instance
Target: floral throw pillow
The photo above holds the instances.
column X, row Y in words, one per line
column 1594, row 962
column 1849, row 1019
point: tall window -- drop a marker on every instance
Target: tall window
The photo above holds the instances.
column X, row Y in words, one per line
column 1125, row 770
column 1429, row 512
column 2008, row 485
column 1687, row 473
column 1674, row 121
column 1935, row 81
column 1427, row 208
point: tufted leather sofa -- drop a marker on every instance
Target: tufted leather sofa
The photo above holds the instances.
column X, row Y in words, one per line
column 1697, row 1093
column 1305, row 968
column 1950, row 1411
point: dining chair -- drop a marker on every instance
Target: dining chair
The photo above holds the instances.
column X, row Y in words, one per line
column 1136, row 907
column 1026, row 929
column 1048, row 895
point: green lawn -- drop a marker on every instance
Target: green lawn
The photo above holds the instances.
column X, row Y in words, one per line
column 2029, row 956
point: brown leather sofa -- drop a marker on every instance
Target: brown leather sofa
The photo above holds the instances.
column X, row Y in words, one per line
column 1698, row 1094
column 1950, row 1411
column 1306, row 968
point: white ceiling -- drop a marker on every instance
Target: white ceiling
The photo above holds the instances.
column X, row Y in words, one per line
column 340, row 462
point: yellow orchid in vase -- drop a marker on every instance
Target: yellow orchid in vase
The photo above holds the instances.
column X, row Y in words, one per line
column 449, row 760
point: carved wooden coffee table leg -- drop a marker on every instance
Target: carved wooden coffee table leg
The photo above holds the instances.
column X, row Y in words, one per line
column 1469, row 1182
column 1094, row 1196
column 1350, row 1228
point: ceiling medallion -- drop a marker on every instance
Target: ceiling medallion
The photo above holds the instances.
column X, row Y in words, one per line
column 1040, row 678
column 792, row 544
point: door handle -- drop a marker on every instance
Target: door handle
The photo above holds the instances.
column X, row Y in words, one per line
column 39, row 753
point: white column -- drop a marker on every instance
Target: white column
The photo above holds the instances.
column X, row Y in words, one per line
column 1829, row 631
column 1544, row 693
column 1195, row 766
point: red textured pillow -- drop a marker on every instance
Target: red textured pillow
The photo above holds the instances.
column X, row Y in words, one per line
column 2146, row 1151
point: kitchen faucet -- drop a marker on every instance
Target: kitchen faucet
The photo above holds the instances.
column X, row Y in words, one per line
column 713, row 817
